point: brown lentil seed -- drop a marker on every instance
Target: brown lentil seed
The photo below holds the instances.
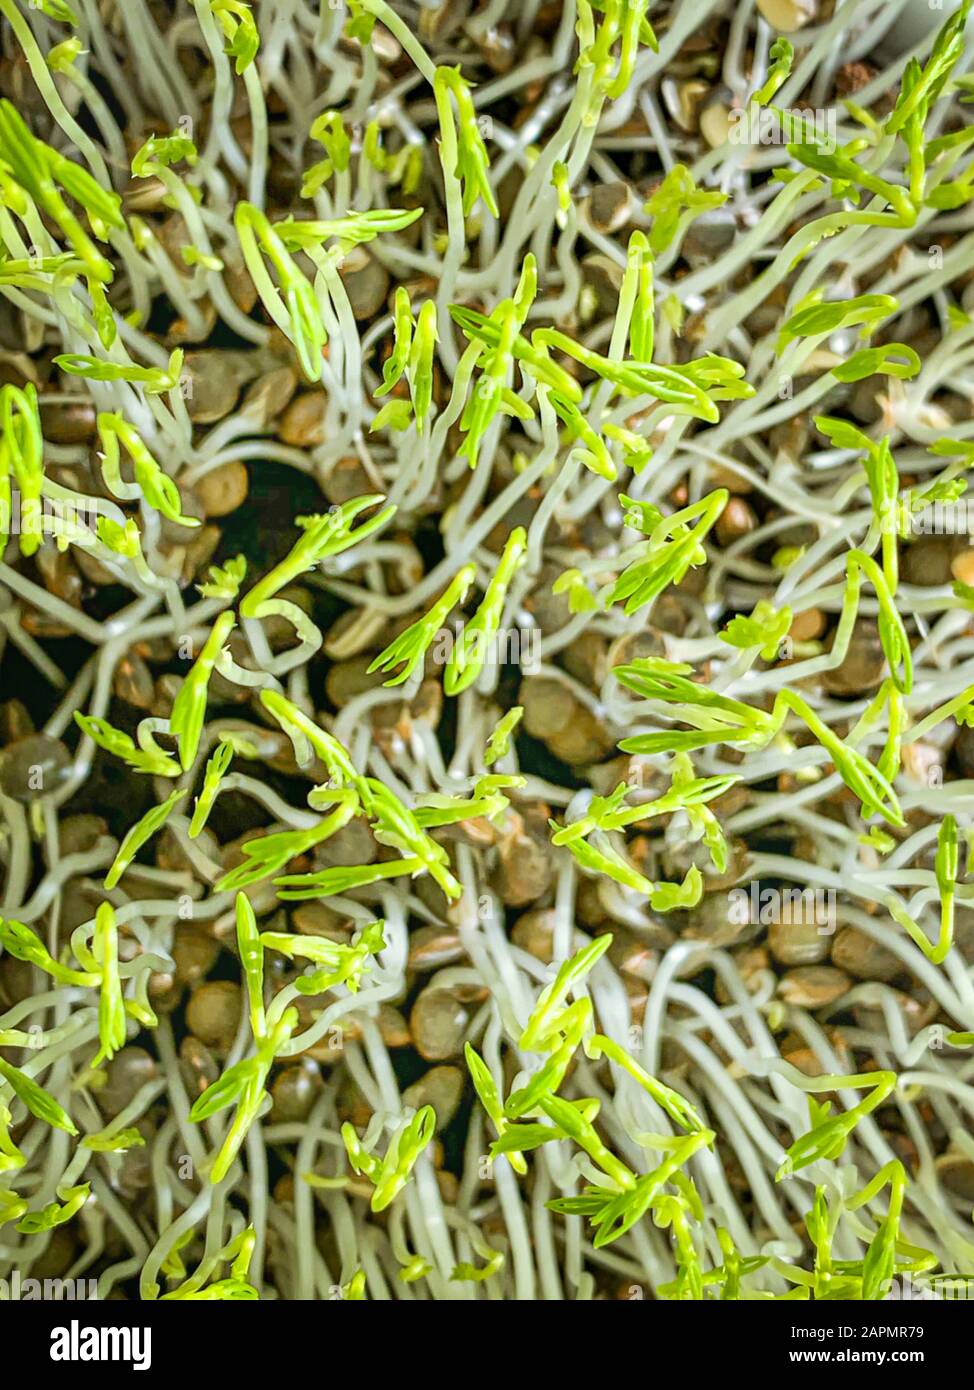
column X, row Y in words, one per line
column 438, row 1023
column 213, row 1012
column 813, row 986
column 34, row 767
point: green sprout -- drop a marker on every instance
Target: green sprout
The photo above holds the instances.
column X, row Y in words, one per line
column 113, row 1141
column 674, row 205
column 499, row 742
column 765, row 628
column 414, row 348
column 322, row 536
column 782, row 57
column 329, row 132
column 46, row 176
column 409, row 648
column 673, row 547
column 268, row 854
column 717, row 718
column 111, row 1005
column 153, row 380
column 337, row 964
column 21, row 457
column 473, row 645
column 390, row 1174
column 223, row 581
column 580, row 597
column 292, row 303
column 234, row 1288
column 330, row 882
column 189, row 707
column 148, row 757
column 303, row 730
column 243, row 1084
column 829, row 1133
column 151, row 484
column 59, row 1213
column 40, row 1104
column 216, row 768
column 23, row 944
column 814, row 318
column 946, row 871
column 140, row 833
column 394, row 824
column 478, row 1274
column 463, row 141
column 403, row 168
column 240, row 30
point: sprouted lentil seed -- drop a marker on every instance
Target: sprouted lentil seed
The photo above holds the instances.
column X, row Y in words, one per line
column 531, row 377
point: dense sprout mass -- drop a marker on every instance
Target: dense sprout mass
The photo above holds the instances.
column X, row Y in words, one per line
column 487, row 651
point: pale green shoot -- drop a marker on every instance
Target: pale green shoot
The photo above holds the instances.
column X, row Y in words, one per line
column 674, row 205
column 39, row 1102
column 223, row 581
column 292, row 303
column 189, row 707
column 765, row 628
column 472, row 167
column 391, row 1173
column 153, row 380
column 499, row 742
column 216, row 766
column 322, row 536
column 24, row 944
column 151, row 483
column 111, row 1005
column 240, row 30
column 22, row 456
column 489, row 1097
column 268, row 854
column 473, row 644
column 140, row 833
column 829, row 1133
column 410, row 646
column 674, row 547
column 148, row 757
column 329, row 132
column 337, row 963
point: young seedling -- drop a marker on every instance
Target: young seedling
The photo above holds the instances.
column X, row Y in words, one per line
column 292, row 302
column 234, row 1288
column 499, row 742
column 268, row 854
column 243, row 1084
column 674, row 547
column 409, row 648
column 472, row 165
column 829, row 1134
column 148, row 757
column 140, row 834
column 21, row 458
column 322, row 537
column 390, row 1173
column 766, row 628
column 152, row 485
column 153, row 380
column 474, row 642
column 189, row 707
